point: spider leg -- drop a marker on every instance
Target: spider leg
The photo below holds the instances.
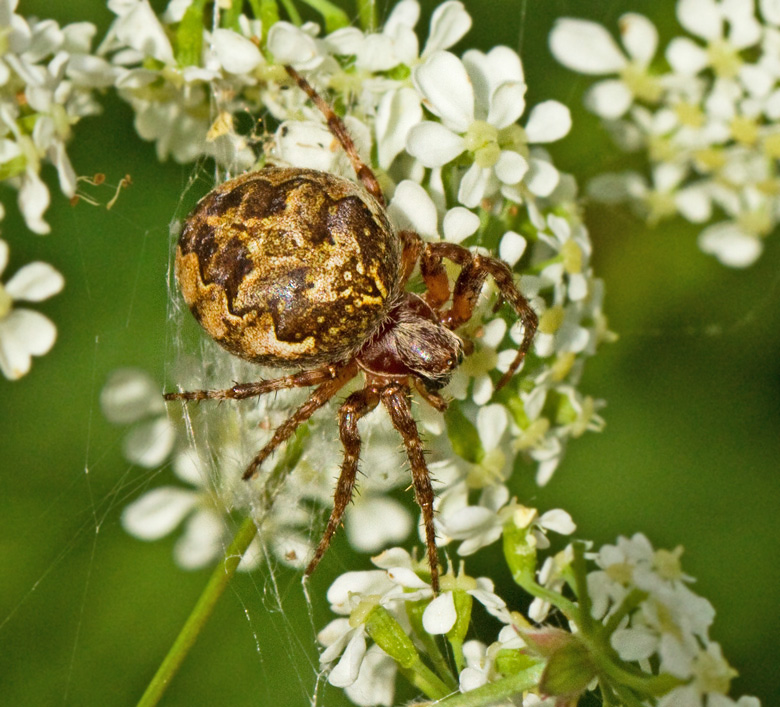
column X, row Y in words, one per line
column 395, row 398
column 241, row 391
column 434, row 399
column 474, row 271
column 357, row 405
column 412, row 246
column 337, row 127
column 315, row 401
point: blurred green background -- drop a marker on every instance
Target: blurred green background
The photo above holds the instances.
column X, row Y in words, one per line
column 689, row 454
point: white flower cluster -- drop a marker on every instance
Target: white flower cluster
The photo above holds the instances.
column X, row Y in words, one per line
column 645, row 640
column 663, row 623
column 707, row 120
column 48, row 78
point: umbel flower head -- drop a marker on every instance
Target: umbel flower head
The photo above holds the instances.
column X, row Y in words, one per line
column 707, row 122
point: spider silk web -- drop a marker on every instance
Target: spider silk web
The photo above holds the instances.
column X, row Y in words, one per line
column 88, row 612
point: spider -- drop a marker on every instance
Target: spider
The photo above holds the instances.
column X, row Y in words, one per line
column 300, row 268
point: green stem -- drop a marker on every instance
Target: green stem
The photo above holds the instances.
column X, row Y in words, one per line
column 493, row 692
column 367, row 14
column 217, row 583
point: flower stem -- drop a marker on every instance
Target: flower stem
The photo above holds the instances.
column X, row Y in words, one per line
column 489, row 694
column 217, row 583
column 367, row 14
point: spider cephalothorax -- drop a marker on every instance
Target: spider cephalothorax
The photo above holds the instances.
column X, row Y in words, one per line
column 299, row 268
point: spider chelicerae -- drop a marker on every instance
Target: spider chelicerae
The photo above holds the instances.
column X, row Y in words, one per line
column 300, row 268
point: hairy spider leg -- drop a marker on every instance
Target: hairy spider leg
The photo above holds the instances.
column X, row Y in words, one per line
column 241, row 391
column 315, row 401
column 412, row 247
column 337, row 128
column 395, row 397
column 474, row 271
column 356, row 406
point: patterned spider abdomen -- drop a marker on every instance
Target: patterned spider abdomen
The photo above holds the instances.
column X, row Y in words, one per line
column 289, row 267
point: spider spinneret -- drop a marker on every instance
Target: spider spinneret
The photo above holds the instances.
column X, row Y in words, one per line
column 299, row 268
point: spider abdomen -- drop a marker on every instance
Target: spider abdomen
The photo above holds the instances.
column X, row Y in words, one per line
column 289, row 267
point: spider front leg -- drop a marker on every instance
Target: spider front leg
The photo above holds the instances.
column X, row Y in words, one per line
column 357, row 405
column 474, row 271
column 395, row 398
column 336, row 126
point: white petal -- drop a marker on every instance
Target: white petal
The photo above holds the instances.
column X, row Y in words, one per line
column 492, row 421
column 129, row 395
column 236, row 54
column 23, row 334
column 406, row 577
column 398, row 112
column 469, row 521
column 446, row 89
column 512, row 247
column 542, row 178
column 701, row 17
column 471, row 679
column 349, row 583
column 404, row 14
column 35, row 282
column 201, row 542
column 557, row 520
column 141, row 30
column 694, row 204
column 157, row 512
column 634, row 643
column 609, row 99
column 375, row 684
column 685, row 56
column 586, row 47
column 473, row 185
column 291, row 45
column 433, row 144
column 449, row 23
column 149, row 443
column 346, row 670
column 412, row 209
column 482, row 390
column 459, row 224
column 549, row 121
column 511, row 167
column 640, row 37
column 376, row 53
column 493, row 333
column 730, row 245
column 770, row 10
column 440, row 615
column 66, row 175
column 306, row 144
column 374, row 523
column 33, row 202
column 507, row 104
column 345, row 41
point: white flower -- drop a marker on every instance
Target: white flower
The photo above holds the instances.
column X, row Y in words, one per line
column 131, row 397
column 47, row 81
column 706, row 19
column 587, row 47
column 25, row 333
column 479, row 101
column 440, row 615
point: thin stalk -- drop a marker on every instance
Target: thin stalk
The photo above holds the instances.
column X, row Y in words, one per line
column 203, row 609
column 494, row 691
